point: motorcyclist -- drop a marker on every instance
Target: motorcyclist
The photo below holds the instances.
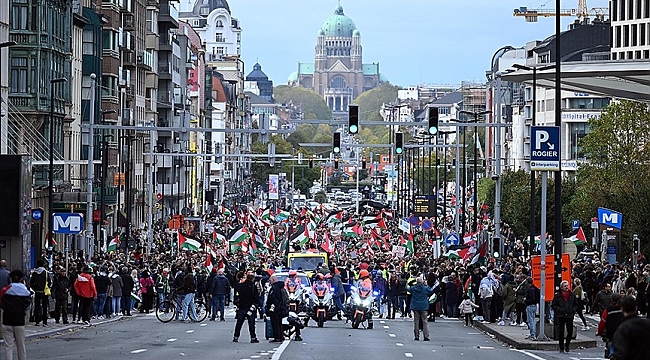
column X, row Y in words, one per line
column 320, row 284
column 364, row 282
column 292, row 282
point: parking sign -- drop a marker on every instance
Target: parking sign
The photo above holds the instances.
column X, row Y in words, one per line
column 545, row 148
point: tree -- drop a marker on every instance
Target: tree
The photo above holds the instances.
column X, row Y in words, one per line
column 370, row 103
column 313, row 105
column 617, row 175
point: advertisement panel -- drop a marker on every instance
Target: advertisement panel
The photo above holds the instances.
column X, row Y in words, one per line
column 273, row 187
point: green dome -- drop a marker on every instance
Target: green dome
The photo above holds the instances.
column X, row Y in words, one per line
column 338, row 25
column 293, row 77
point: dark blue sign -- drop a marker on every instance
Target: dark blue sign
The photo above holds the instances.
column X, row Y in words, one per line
column 427, row 225
column 575, row 224
column 452, row 239
column 37, row 214
column 545, row 148
column 610, row 218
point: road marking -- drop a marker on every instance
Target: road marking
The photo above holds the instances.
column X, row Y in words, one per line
column 408, row 355
column 255, row 357
column 138, row 351
column 171, row 340
column 529, row 354
column 486, row 347
column 189, row 331
column 399, row 344
column 264, row 354
column 391, row 335
column 382, row 322
column 196, row 341
column 386, row 327
column 280, row 350
column 473, row 333
column 203, row 325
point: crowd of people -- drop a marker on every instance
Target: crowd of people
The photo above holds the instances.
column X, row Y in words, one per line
column 410, row 281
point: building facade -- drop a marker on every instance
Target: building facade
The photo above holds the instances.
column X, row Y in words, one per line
column 630, row 29
column 338, row 73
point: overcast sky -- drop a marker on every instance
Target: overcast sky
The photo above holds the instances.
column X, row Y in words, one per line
column 414, row 41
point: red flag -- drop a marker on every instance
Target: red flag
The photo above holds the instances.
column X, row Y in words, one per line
column 357, row 229
column 327, row 246
column 208, row 262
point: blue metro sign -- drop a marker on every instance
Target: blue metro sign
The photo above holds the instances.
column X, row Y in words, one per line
column 545, row 148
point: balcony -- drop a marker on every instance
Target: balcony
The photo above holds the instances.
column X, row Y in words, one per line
column 164, row 70
column 164, row 103
column 129, row 22
column 168, row 14
column 129, row 58
column 145, row 59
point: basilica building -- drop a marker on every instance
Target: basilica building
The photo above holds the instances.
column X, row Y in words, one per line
column 338, row 73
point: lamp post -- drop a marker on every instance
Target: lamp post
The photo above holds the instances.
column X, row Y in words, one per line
column 50, row 200
column 476, row 115
column 102, row 202
column 3, row 45
column 532, row 229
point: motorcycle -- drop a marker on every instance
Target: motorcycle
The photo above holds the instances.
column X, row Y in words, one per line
column 361, row 306
column 321, row 304
column 296, row 298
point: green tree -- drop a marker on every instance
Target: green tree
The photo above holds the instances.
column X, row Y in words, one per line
column 370, row 103
column 313, row 105
column 617, row 175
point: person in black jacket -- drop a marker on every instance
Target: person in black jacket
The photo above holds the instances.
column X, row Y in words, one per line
column 246, row 310
column 564, row 306
column 14, row 301
column 220, row 289
column 631, row 338
column 127, row 289
column 277, row 306
column 61, row 289
column 39, row 278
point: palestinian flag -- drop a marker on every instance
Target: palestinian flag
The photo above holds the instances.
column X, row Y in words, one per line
column 210, row 250
column 538, row 238
column 327, row 245
column 266, row 215
column 282, row 216
column 348, row 232
column 380, row 223
column 469, row 237
column 384, row 239
column 452, row 254
column 114, row 244
column 238, row 239
column 208, row 263
column 334, row 218
column 225, row 211
column 578, row 237
column 301, row 237
column 479, row 257
column 187, row 243
column 218, row 237
column 270, row 239
column 408, row 243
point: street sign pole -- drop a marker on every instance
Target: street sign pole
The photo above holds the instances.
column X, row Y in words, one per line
column 542, row 291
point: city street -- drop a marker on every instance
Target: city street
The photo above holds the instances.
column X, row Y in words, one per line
column 143, row 337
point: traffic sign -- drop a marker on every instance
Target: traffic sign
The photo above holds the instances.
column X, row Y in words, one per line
column 159, row 196
column 452, row 239
column 414, row 220
column 67, row 223
column 427, row 225
column 610, row 218
column 37, row 214
column 575, row 224
column 545, row 148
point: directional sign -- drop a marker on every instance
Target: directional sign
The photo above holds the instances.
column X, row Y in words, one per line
column 67, row 223
column 452, row 239
column 575, row 224
column 610, row 218
column 545, row 148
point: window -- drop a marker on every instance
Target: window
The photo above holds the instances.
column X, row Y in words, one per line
column 630, row 10
column 19, row 17
column 588, row 103
column 218, row 37
column 626, row 35
column 88, row 43
column 195, row 23
column 642, row 34
column 639, row 14
column 577, row 132
column 617, row 36
column 614, row 7
column 646, row 54
column 622, row 11
column 110, row 40
column 204, row 10
column 647, row 9
column 219, row 24
column 634, row 34
column 221, row 50
column 338, row 82
column 19, row 75
column 109, row 86
column 152, row 21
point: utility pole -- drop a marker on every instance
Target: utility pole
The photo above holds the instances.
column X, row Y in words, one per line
column 89, row 242
column 151, row 189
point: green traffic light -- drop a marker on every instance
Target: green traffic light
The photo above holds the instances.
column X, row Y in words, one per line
column 337, row 149
column 398, row 150
column 433, row 130
column 353, row 129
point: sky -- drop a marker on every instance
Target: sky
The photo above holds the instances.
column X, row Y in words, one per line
column 414, row 41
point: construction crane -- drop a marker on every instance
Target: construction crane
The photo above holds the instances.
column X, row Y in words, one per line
column 582, row 12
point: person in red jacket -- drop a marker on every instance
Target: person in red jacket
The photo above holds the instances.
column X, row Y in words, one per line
column 84, row 286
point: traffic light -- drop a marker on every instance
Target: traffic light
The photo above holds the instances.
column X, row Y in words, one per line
column 336, row 163
column 399, row 143
column 433, row 120
column 336, row 143
column 363, row 163
column 353, row 119
column 311, row 163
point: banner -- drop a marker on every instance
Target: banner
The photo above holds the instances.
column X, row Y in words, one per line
column 399, row 251
column 273, row 187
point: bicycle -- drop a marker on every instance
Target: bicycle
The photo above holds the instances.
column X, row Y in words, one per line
column 167, row 310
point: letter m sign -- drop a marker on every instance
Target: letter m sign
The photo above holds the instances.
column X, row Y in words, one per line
column 65, row 223
column 610, row 218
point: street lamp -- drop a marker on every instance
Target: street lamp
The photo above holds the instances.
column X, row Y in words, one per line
column 475, row 115
column 3, row 45
column 534, row 69
column 50, row 200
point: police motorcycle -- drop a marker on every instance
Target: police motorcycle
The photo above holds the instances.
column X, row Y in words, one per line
column 361, row 305
column 321, row 305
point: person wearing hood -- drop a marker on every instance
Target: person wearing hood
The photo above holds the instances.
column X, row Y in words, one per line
column 127, row 288
column 85, row 288
column 420, row 305
column 15, row 299
column 102, row 282
column 116, row 285
column 486, row 291
column 509, row 302
column 61, row 289
column 37, row 282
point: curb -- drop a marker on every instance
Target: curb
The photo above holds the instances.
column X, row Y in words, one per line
column 534, row 345
column 61, row 330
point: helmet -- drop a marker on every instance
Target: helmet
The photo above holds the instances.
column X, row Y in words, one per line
column 320, row 276
column 364, row 273
column 293, row 273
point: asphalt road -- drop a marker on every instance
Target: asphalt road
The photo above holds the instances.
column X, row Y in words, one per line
column 143, row 337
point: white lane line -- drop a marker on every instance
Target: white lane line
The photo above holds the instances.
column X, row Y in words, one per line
column 408, row 355
column 189, row 331
column 203, row 325
column 264, row 354
column 473, row 333
column 386, row 327
column 138, row 351
column 196, row 341
column 280, row 350
column 486, row 347
column 391, row 335
column 529, row 354
column 255, row 357
column 382, row 322
column 171, row 340
column 399, row 344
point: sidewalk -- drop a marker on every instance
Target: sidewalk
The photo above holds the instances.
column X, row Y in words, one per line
column 515, row 336
column 34, row 332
